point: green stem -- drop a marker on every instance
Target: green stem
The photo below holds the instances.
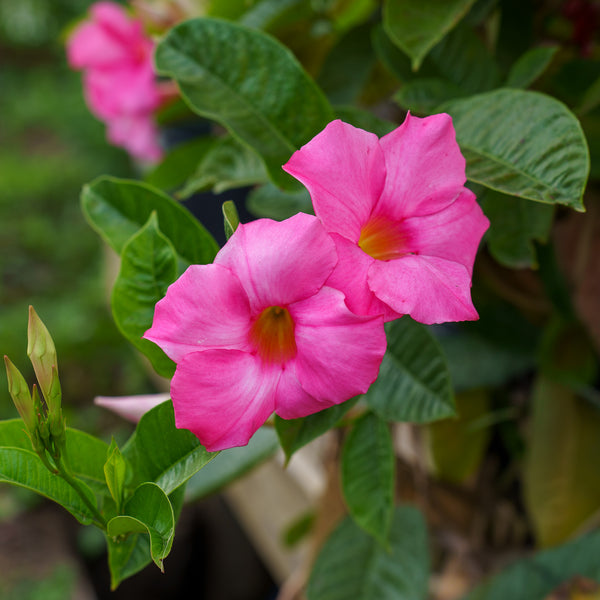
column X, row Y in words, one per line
column 63, row 472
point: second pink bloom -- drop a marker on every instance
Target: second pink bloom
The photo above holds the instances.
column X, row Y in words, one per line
column 405, row 227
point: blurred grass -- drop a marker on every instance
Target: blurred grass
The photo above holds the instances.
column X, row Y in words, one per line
column 50, row 146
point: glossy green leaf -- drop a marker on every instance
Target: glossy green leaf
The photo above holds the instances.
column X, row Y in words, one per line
column 268, row 15
column 161, row 453
column 562, row 488
column 25, row 469
column 414, row 382
column 394, row 59
column 457, row 446
column 118, row 208
column 85, row 456
column 148, row 267
column 422, row 96
column 271, row 202
column 462, row 58
column 347, row 67
column 354, row 565
column 368, row 476
column 416, row 27
column 230, row 464
column 590, row 99
column 530, row 66
column 522, row 143
column 127, row 556
column 248, row 82
column 179, row 164
column 115, row 470
column 147, row 511
column 533, row 578
column 227, row 164
column 295, row 433
column 515, row 225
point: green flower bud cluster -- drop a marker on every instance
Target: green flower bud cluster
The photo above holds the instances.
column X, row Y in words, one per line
column 41, row 413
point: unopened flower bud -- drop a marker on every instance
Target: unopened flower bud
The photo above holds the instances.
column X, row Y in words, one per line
column 42, row 353
column 19, row 392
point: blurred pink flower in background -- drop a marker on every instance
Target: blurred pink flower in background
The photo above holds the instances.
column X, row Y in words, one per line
column 405, row 227
column 258, row 332
column 119, row 82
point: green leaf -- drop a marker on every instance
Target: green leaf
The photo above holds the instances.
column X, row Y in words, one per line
column 274, row 203
column 463, row 58
column 417, row 27
column 522, row 143
column 535, row 577
column 530, row 66
column 395, row 61
column 115, row 470
column 127, row 556
column 422, row 96
column 231, row 219
column 179, row 164
column 515, row 224
column 562, row 488
column 230, row 464
column 590, row 99
column 347, row 67
column 368, row 476
column 457, row 446
column 25, row 469
column 85, row 456
column 268, row 15
column 248, row 82
column 118, row 208
column 414, row 382
column 160, row 452
column 147, row 511
column 227, row 164
column 352, row 564
column 148, row 267
column 295, row 433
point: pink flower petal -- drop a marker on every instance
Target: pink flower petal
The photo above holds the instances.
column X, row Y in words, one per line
column 453, row 233
column 223, row 396
column 429, row 289
column 205, row 308
column 292, row 401
column 344, row 171
column 138, row 134
column 425, row 168
column 131, row 407
column 350, row 276
column 339, row 353
column 279, row 262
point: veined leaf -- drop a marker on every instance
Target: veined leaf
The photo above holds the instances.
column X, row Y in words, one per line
column 352, row 564
column 522, row 143
column 368, row 476
column 248, row 82
column 416, row 27
column 530, row 66
column 161, row 453
column 148, row 267
column 414, row 382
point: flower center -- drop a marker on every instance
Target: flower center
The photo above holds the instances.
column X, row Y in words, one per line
column 272, row 334
column 383, row 239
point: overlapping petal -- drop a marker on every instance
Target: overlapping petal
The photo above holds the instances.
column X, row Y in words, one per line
column 223, row 396
column 343, row 169
column 429, row 289
column 205, row 308
column 280, row 262
column 425, row 169
column 351, row 277
column 338, row 353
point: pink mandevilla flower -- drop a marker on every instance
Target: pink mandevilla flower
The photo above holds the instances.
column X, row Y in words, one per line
column 119, row 81
column 258, row 332
column 405, row 227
